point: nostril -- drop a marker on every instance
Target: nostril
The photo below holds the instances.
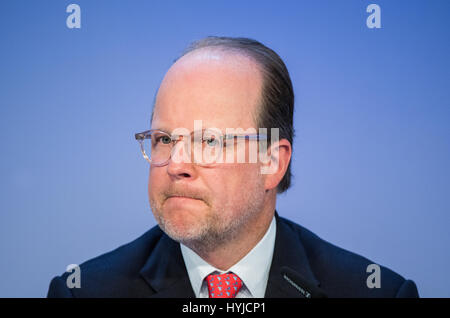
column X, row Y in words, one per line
column 180, row 170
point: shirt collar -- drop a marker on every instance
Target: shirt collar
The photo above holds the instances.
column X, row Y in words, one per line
column 253, row 268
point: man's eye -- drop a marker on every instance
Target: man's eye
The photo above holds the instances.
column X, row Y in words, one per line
column 211, row 142
column 164, row 140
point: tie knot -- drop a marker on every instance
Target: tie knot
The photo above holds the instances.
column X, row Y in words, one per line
column 223, row 285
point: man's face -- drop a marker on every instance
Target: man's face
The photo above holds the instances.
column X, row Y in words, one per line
column 195, row 203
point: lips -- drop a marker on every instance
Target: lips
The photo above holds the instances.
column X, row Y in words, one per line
column 178, row 197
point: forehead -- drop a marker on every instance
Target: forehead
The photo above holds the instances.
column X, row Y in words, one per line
column 221, row 89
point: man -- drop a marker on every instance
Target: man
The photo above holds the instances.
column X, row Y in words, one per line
column 219, row 234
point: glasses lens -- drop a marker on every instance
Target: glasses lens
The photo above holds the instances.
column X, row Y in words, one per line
column 208, row 149
column 203, row 149
column 157, row 146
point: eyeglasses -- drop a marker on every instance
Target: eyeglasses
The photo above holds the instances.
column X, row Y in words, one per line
column 205, row 147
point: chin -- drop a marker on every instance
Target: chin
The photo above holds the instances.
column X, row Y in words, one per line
column 183, row 233
column 182, row 215
column 182, row 225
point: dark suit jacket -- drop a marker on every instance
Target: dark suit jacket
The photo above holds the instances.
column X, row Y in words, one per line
column 153, row 266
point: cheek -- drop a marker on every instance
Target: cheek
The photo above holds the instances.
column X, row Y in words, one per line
column 155, row 181
column 231, row 184
column 247, row 173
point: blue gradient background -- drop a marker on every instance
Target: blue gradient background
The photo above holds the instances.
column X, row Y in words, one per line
column 372, row 148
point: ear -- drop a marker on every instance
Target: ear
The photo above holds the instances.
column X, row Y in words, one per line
column 274, row 169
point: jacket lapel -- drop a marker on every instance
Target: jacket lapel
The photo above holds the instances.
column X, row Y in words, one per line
column 165, row 271
column 289, row 251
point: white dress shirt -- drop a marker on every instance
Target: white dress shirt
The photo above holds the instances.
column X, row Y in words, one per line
column 253, row 269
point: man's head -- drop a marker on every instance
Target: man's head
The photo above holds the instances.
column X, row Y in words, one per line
column 226, row 83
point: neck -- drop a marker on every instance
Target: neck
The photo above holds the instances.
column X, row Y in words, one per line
column 224, row 255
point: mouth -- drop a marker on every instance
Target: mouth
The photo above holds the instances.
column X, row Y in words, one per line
column 177, row 197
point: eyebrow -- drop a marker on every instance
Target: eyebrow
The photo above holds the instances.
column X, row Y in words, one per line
column 163, row 129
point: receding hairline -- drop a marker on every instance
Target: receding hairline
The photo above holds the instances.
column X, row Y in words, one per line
column 227, row 52
column 220, row 49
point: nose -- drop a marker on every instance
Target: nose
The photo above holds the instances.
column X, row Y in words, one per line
column 180, row 165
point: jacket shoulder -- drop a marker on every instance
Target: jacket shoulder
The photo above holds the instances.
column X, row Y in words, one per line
column 113, row 274
column 342, row 273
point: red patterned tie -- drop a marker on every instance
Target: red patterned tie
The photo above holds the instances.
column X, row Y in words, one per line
column 223, row 285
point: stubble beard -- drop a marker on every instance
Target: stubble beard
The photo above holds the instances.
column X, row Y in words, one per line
column 219, row 227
